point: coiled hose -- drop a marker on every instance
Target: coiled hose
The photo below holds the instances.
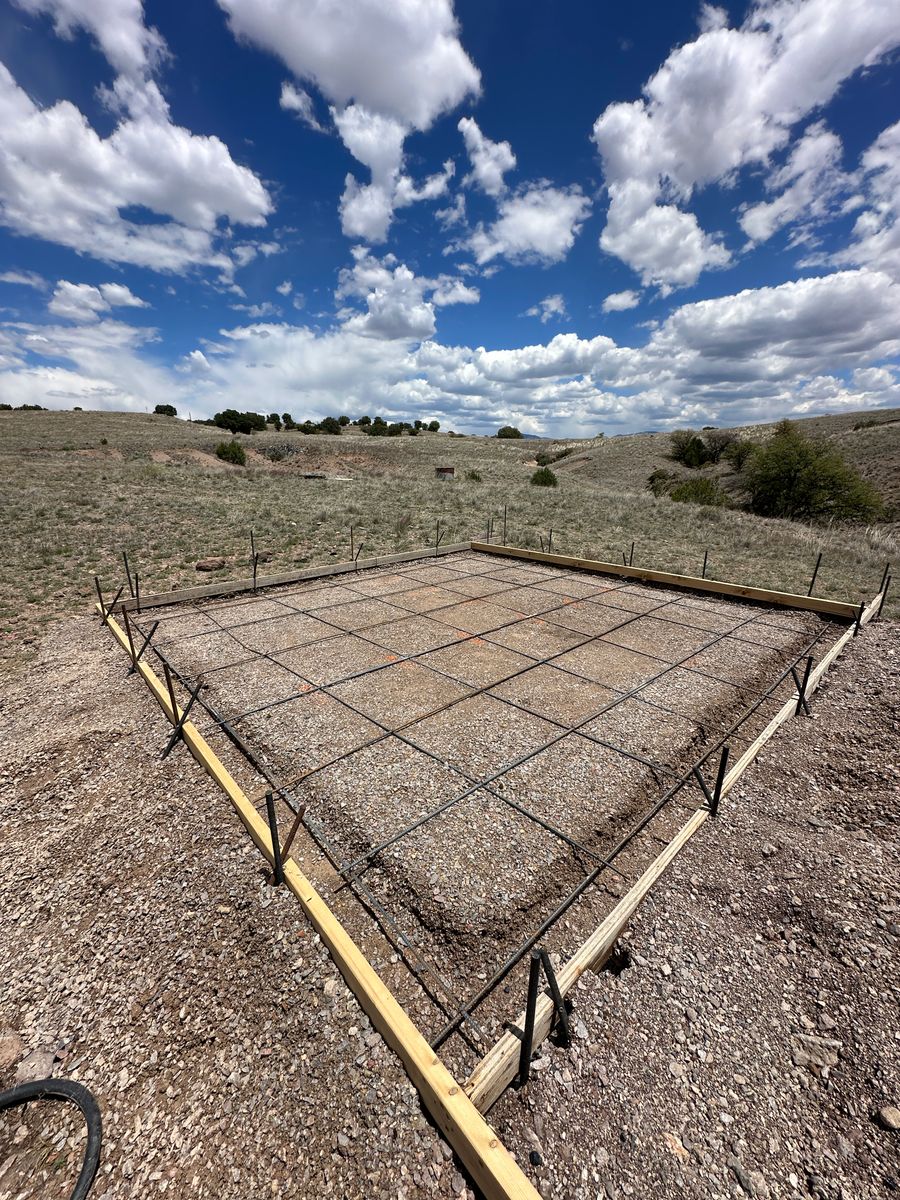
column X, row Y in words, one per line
column 76, row 1093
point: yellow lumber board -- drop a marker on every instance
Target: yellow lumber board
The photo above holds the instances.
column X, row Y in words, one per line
column 228, row 587
column 835, row 608
column 490, row 1164
column 498, row 1068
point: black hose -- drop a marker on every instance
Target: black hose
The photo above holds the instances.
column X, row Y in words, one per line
column 76, row 1093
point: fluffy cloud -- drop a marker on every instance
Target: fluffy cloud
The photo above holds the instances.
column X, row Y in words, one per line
column 388, row 67
column 817, row 345
column 396, row 58
column 299, row 102
column 116, row 25
column 24, row 279
column 538, row 224
column 809, row 185
column 377, row 142
column 63, row 182
column 876, row 233
column 723, row 101
column 620, row 301
column 83, row 302
column 490, row 160
column 399, row 303
column 548, row 309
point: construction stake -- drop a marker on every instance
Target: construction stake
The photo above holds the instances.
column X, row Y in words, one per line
column 179, row 724
column 884, row 592
column 801, row 687
column 720, row 779
column 128, row 574
column 812, row 582
column 277, row 863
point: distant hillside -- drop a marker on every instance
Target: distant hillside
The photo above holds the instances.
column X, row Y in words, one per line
column 869, row 441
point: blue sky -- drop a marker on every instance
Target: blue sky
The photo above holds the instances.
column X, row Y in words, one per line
column 573, row 217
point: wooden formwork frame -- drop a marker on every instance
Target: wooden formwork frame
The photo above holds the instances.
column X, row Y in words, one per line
column 457, row 1109
column 231, row 587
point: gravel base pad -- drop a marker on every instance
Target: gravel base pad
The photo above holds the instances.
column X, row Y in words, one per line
column 747, row 1047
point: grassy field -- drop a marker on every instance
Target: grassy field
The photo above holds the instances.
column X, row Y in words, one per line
column 79, row 488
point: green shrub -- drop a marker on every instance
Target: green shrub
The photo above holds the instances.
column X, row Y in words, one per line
column 166, row 410
column 699, row 491
column 544, row 477
column 660, row 482
column 239, row 422
column 738, row 453
column 509, row 431
column 330, row 425
column 688, row 449
column 433, row 426
column 545, row 457
column 802, row 480
column 717, row 442
column 474, row 476
column 232, row 452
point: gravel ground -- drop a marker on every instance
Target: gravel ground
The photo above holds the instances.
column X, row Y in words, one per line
column 747, row 1049
column 752, row 1045
column 144, row 954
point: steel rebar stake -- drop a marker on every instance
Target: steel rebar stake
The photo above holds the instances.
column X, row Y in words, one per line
column 534, row 972
column 277, row 864
column 801, row 689
column 128, row 573
column 812, row 582
column 720, row 779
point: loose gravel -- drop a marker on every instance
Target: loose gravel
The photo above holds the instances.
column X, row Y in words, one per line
column 749, row 1046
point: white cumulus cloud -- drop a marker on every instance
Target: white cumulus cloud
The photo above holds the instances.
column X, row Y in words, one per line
column 490, row 160
column 549, row 309
column 62, row 182
column 717, row 104
column 621, row 301
column 117, row 26
column 299, row 102
column 538, row 224
column 84, row 302
column 387, row 67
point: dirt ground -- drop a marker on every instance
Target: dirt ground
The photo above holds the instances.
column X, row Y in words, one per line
column 746, row 1050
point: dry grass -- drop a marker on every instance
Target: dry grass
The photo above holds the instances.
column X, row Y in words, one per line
column 71, row 504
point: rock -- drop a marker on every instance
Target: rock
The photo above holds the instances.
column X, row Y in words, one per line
column 36, row 1065
column 11, row 1047
column 210, row 564
column 767, row 849
column 741, row 1175
column 812, row 1051
column 889, row 1117
column 675, row 1144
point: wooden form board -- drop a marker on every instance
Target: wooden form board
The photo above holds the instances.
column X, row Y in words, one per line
column 231, row 586
column 487, row 1160
column 499, row 1067
column 835, row 608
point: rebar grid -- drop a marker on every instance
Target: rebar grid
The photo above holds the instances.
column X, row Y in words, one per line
column 351, row 872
